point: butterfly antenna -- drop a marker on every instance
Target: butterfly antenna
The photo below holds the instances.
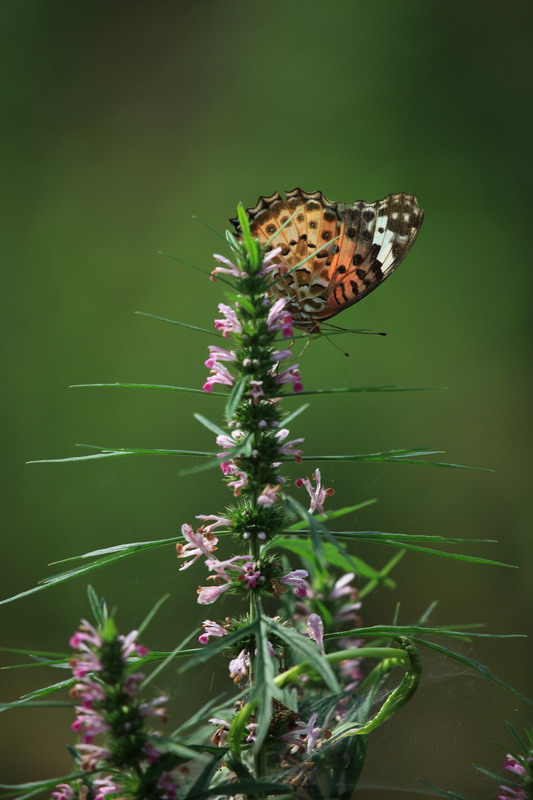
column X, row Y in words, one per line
column 304, row 348
column 336, row 346
column 351, row 330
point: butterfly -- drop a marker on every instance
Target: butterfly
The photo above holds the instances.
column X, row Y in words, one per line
column 367, row 241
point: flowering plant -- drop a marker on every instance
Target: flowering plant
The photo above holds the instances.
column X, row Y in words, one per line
column 311, row 681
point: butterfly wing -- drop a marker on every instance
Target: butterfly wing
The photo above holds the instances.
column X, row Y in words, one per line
column 368, row 241
column 374, row 238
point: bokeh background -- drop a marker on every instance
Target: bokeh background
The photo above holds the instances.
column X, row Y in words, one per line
column 121, row 120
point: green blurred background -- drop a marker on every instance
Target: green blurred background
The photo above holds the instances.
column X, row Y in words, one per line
column 120, row 120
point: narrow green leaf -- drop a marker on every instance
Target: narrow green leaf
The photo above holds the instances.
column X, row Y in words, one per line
column 411, row 537
column 107, row 452
column 407, row 456
column 98, row 607
column 263, row 690
column 162, row 387
column 232, row 241
column 184, row 263
column 116, row 554
column 295, row 414
column 195, row 719
column 35, row 787
column 305, row 549
column 351, row 389
column 306, row 648
column 129, row 548
column 393, row 702
column 181, row 324
column 253, row 248
column 218, row 646
column 242, row 301
column 212, row 464
column 151, row 614
column 31, row 697
column 210, row 425
column 340, row 512
column 208, row 226
column 493, row 775
column 201, row 784
column 235, row 396
column 443, row 792
column 193, row 266
column 475, row 665
column 315, row 531
column 318, row 530
column 518, row 739
column 171, row 656
column 382, row 578
column 412, row 630
column 54, row 687
column 443, row 554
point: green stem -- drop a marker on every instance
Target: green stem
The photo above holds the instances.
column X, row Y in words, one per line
column 392, row 653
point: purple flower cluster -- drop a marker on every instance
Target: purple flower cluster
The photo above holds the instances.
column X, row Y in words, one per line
column 240, row 572
column 522, row 769
column 109, row 705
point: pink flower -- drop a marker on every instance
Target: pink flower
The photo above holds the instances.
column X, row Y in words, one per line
column 515, row 766
column 63, row 792
column 168, row 786
column 89, row 662
column 220, row 736
column 289, row 448
column 208, row 594
column 86, row 638
column 350, row 671
column 231, row 268
column 280, row 319
column 88, row 723
column 255, row 391
column 228, row 442
column 89, row 690
column 315, row 630
column 506, row 793
column 152, row 708
column 305, row 735
column 269, row 495
column 93, row 754
column 220, row 567
column 219, row 354
column 251, row 575
column 211, row 629
column 219, row 374
column 130, row 647
column 218, row 522
column 198, row 544
column 229, row 322
column 131, row 683
column 267, row 266
column 341, row 587
column 317, row 494
column 240, row 478
column 291, row 375
column 105, row 786
column 296, row 578
column 348, row 612
column 280, row 355
column 238, row 667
